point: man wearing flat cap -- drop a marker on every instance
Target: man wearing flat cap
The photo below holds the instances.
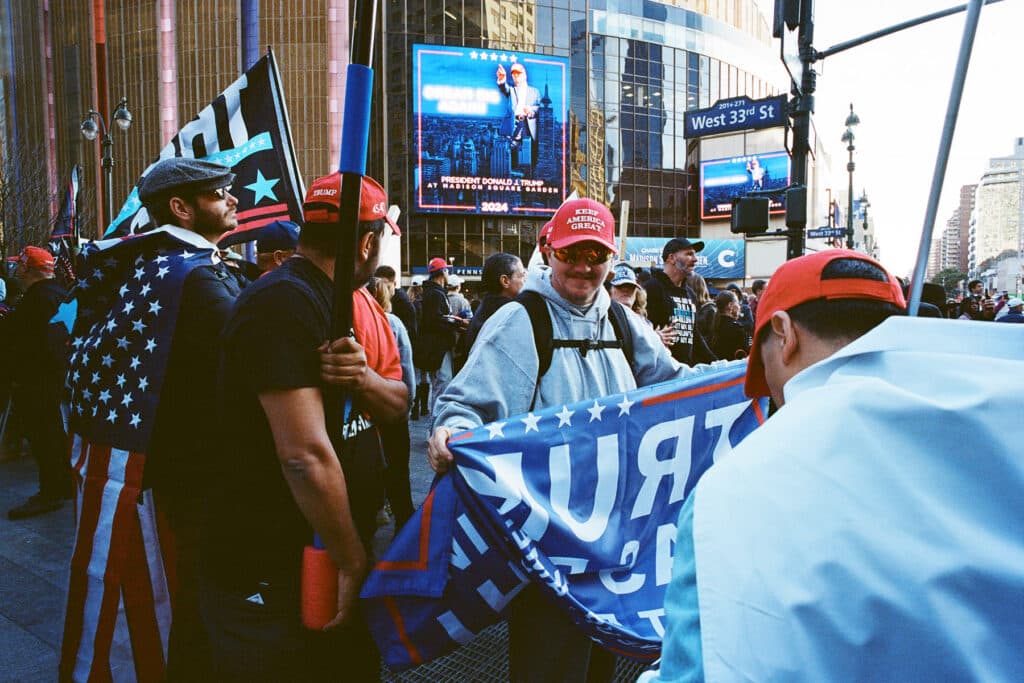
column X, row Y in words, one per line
column 672, row 304
column 192, row 198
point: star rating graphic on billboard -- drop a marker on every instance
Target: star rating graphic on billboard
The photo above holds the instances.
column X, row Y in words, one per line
column 489, row 131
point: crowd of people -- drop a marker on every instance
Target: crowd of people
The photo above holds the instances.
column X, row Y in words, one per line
column 252, row 349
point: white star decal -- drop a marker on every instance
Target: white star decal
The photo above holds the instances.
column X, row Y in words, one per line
column 162, row 271
column 145, row 289
column 135, row 363
column 186, row 254
column 127, row 400
column 135, row 420
column 108, row 360
column 138, row 325
column 77, row 343
column 139, row 272
column 595, row 411
column 120, row 381
column 111, row 416
column 495, row 429
column 624, row 406
column 143, row 383
column 565, row 417
column 104, row 396
column 154, row 307
column 128, row 306
column 150, row 344
column 98, row 274
column 85, row 358
column 531, row 421
column 122, row 343
column 74, row 375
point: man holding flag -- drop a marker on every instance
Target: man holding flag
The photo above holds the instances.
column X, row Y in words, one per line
column 291, row 473
column 502, row 378
column 144, row 359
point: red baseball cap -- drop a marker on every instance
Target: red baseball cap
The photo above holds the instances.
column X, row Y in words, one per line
column 34, row 258
column 545, row 233
column 582, row 220
column 323, row 201
column 437, row 263
column 799, row 281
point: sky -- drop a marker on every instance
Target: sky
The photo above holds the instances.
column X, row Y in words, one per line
column 900, row 86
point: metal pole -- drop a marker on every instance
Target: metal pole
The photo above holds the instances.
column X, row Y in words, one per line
column 108, row 177
column 952, row 110
column 803, row 105
column 849, row 200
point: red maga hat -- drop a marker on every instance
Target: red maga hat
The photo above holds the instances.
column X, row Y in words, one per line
column 323, row 201
column 582, row 220
column 34, row 258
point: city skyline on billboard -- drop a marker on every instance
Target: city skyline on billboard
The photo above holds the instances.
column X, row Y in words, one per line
column 723, row 179
column 489, row 131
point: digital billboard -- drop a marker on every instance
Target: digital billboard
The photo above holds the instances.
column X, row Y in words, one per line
column 723, row 179
column 718, row 260
column 489, row 131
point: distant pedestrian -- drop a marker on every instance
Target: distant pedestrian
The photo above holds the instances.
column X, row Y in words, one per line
column 729, row 338
column 1016, row 311
column 35, row 361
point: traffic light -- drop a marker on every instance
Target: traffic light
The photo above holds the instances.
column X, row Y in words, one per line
column 787, row 13
column 749, row 214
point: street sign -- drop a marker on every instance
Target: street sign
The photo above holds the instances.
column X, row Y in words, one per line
column 819, row 233
column 736, row 113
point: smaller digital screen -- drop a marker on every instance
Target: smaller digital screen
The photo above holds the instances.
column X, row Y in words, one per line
column 723, row 179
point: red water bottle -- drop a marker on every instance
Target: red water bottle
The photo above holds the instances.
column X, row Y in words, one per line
column 319, row 586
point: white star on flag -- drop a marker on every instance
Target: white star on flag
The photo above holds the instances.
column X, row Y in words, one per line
column 154, row 307
column 135, row 420
column 595, row 411
column 111, row 416
column 495, row 429
column 624, row 406
column 565, row 417
column 531, row 421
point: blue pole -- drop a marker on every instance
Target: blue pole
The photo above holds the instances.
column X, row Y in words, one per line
column 959, row 77
column 250, row 19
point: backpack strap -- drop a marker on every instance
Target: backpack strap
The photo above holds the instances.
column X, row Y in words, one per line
column 543, row 339
column 623, row 332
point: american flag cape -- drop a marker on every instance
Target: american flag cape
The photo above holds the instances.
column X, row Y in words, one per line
column 64, row 238
column 581, row 499
column 119, row 608
column 245, row 128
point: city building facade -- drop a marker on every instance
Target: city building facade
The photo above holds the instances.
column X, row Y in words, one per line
column 998, row 213
column 633, row 69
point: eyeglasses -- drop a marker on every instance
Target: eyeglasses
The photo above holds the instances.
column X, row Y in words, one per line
column 593, row 255
column 222, row 192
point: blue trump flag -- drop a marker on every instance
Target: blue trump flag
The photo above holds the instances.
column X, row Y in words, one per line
column 581, row 499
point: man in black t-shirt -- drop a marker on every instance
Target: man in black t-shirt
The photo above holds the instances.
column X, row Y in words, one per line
column 288, row 473
column 670, row 301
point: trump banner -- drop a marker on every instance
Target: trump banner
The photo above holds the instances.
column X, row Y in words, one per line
column 582, row 500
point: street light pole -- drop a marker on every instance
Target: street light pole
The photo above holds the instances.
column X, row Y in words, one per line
column 851, row 121
column 123, row 119
column 869, row 244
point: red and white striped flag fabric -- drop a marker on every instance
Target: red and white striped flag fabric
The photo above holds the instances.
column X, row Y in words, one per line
column 119, row 598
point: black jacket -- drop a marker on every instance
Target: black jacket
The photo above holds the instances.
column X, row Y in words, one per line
column 403, row 308
column 731, row 339
column 436, row 335
column 35, row 351
column 661, row 311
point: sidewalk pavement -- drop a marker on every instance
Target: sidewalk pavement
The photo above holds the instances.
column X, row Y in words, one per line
column 35, row 554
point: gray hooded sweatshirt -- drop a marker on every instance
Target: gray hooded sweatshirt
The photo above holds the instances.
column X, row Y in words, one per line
column 500, row 375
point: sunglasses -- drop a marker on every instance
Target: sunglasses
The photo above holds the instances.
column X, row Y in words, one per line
column 593, row 255
column 222, row 192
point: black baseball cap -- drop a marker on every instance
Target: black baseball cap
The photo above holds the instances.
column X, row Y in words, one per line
column 678, row 244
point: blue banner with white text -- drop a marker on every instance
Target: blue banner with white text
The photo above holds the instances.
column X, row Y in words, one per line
column 581, row 499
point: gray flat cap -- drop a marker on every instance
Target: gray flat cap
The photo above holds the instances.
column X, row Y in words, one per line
column 187, row 175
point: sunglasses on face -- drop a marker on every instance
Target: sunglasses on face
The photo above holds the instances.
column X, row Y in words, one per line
column 222, row 192
column 593, row 255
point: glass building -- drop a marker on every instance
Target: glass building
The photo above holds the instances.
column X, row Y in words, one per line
column 635, row 66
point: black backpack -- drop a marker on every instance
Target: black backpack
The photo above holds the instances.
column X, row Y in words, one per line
column 543, row 334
